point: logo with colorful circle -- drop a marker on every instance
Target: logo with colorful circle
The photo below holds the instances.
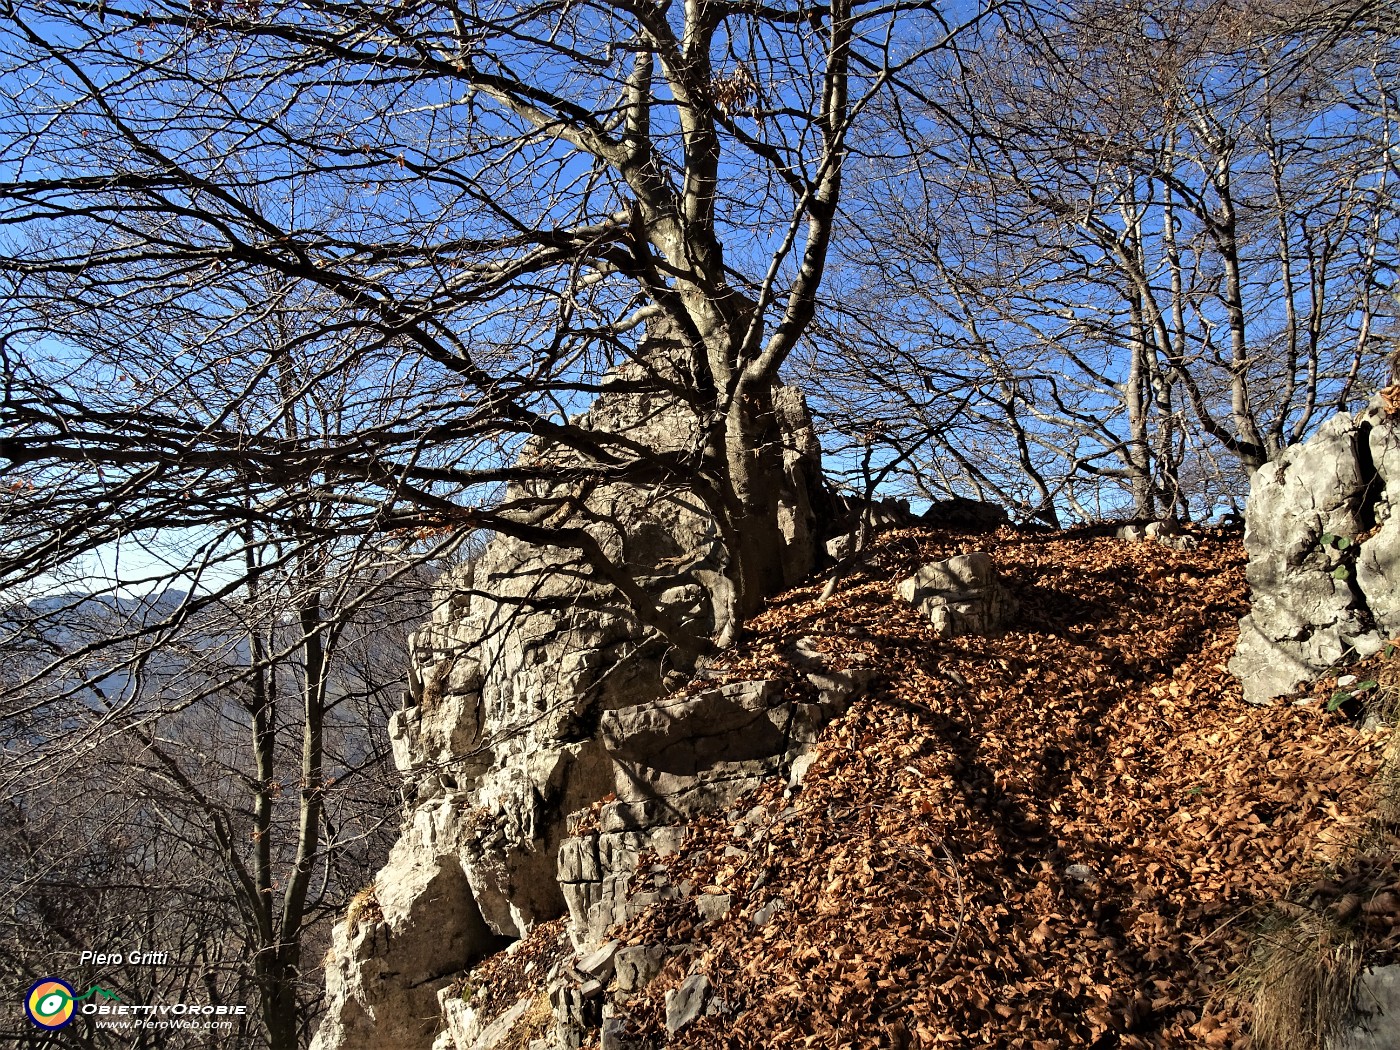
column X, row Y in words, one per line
column 50, row 1003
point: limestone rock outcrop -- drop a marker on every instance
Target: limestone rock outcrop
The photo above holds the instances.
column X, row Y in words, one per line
column 534, row 695
column 1165, row 531
column 678, row 758
column 425, row 927
column 1322, row 529
column 961, row 595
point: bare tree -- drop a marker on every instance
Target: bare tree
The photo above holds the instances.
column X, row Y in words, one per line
column 217, row 767
column 224, row 686
column 1155, row 239
column 293, row 295
column 497, row 201
column 230, row 824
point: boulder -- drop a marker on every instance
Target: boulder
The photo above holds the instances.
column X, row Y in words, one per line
column 685, row 1003
column 961, row 595
column 966, row 515
column 385, row 969
column 1323, row 539
column 638, row 965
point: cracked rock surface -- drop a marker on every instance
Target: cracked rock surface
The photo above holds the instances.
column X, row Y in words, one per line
column 533, row 697
column 961, row 595
column 1322, row 529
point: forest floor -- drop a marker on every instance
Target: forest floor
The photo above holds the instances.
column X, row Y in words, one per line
column 1072, row 834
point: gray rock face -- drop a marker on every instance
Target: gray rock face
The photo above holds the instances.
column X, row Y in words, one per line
column 430, row 929
column 533, row 695
column 961, row 595
column 712, row 906
column 1377, row 1001
column 602, row 962
column 638, row 966
column 466, row 1029
column 676, row 758
column 1323, row 536
column 685, row 1003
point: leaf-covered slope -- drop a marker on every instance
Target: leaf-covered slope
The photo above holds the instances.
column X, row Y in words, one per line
column 1063, row 836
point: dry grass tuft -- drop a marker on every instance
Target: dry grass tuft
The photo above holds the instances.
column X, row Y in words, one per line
column 1301, row 980
column 534, row 1024
column 364, row 910
column 1302, row 973
column 434, row 687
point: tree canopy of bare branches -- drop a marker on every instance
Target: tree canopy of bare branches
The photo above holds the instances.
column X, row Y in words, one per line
column 1144, row 247
column 484, row 203
column 289, row 286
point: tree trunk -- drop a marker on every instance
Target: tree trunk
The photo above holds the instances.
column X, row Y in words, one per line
column 755, row 479
column 277, row 992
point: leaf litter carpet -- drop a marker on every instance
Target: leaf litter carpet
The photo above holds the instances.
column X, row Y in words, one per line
column 1063, row 836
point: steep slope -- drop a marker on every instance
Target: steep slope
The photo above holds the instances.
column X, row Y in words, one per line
column 1068, row 835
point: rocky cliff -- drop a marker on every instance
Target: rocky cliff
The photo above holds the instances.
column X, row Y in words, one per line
column 534, row 695
column 872, row 825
